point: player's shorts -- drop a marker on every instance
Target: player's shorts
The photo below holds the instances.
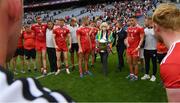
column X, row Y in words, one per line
column 30, row 54
column 62, row 48
column 86, row 48
column 141, row 53
column 74, row 48
column 40, row 46
column 130, row 52
column 93, row 46
column 19, row 52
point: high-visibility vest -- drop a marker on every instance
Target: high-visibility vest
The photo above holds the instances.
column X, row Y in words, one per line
column 109, row 37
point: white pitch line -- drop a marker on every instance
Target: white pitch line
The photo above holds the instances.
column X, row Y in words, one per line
column 51, row 73
column 42, row 76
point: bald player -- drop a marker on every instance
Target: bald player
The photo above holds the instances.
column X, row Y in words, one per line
column 20, row 90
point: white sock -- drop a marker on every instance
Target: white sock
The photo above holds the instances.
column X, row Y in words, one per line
column 135, row 76
column 131, row 74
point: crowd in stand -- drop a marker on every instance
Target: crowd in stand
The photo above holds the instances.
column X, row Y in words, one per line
column 119, row 10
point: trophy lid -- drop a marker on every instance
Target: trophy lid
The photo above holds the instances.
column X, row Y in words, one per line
column 103, row 41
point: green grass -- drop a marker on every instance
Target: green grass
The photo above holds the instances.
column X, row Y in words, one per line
column 98, row 88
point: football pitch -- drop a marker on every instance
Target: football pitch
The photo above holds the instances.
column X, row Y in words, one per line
column 98, row 88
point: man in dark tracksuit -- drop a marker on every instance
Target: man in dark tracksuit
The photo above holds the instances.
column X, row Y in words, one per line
column 119, row 36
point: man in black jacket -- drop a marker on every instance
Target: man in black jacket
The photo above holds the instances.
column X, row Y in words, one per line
column 119, row 36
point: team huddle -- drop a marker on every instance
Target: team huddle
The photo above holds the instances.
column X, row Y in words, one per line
column 143, row 45
column 39, row 37
column 90, row 38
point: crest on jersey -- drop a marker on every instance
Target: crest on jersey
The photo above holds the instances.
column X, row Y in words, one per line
column 64, row 31
column 43, row 27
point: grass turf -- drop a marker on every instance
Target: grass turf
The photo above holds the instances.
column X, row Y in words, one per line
column 98, row 88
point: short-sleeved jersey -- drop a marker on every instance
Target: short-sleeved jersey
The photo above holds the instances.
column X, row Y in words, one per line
column 83, row 32
column 133, row 36
column 161, row 48
column 40, row 32
column 20, row 41
column 61, row 34
column 29, row 40
column 93, row 34
column 170, row 67
column 56, row 26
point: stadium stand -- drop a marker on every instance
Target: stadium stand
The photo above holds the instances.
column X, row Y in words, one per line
column 121, row 10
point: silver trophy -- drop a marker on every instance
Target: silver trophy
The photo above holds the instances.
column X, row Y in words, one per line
column 103, row 45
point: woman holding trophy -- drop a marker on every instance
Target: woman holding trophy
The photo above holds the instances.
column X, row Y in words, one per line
column 104, row 40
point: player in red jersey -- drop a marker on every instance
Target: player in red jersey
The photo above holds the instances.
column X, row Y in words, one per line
column 19, row 52
column 61, row 35
column 166, row 20
column 161, row 51
column 93, row 34
column 84, row 42
column 141, row 60
column 133, row 42
column 29, row 47
column 40, row 42
column 57, row 24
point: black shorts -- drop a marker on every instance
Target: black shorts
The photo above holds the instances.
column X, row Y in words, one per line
column 74, row 48
column 19, row 52
column 160, row 57
column 30, row 54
